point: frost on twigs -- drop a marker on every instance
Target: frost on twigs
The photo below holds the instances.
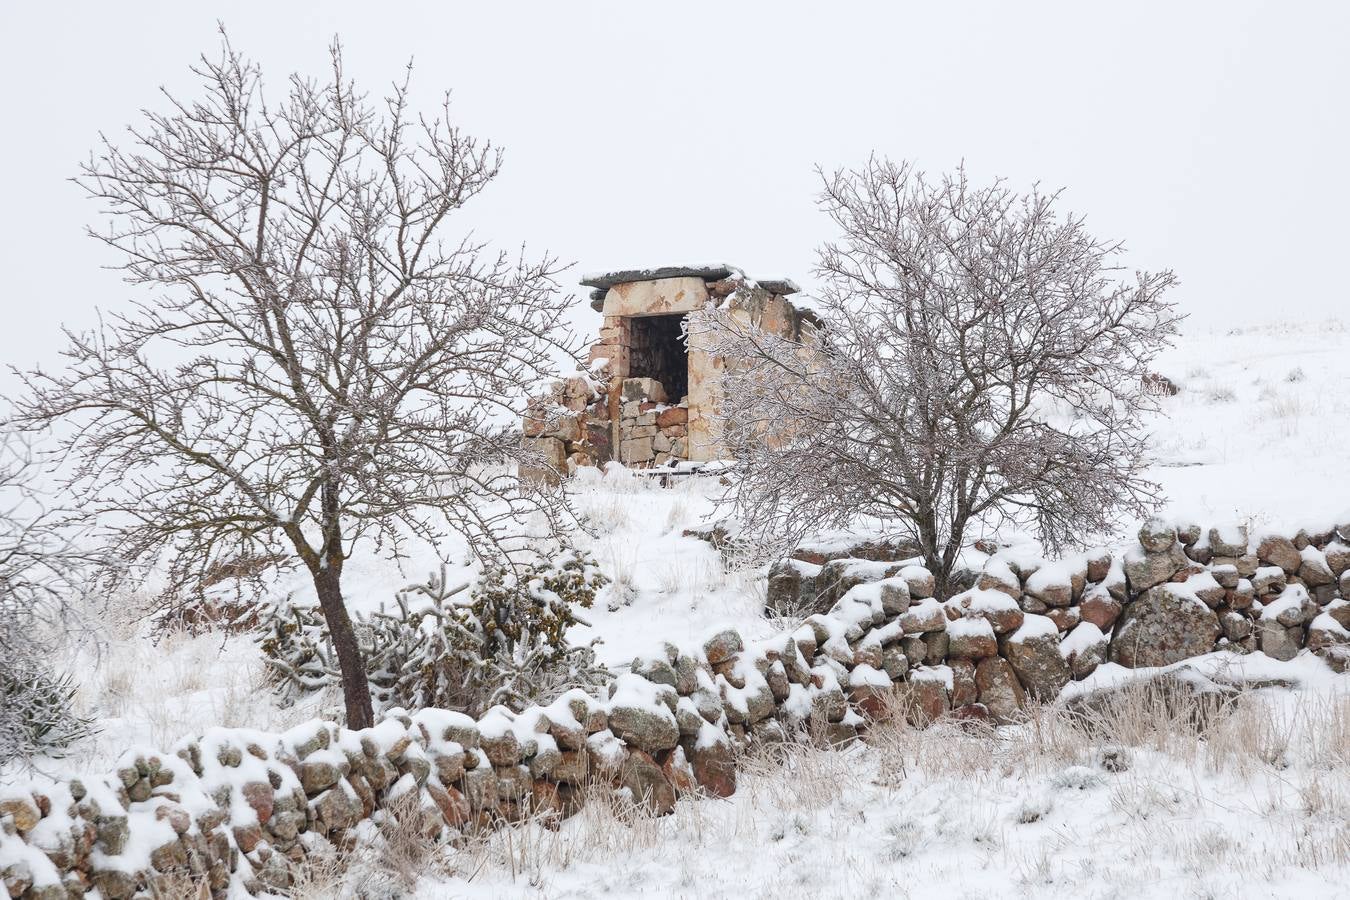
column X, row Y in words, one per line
column 983, row 363
column 503, row 643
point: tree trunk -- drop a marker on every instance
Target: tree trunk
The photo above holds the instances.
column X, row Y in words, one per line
column 355, row 688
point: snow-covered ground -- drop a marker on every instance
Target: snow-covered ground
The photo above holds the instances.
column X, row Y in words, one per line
column 1259, row 433
column 1260, row 808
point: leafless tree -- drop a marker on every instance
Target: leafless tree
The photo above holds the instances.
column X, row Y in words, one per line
column 319, row 366
column 981, row 366
column 44, row 603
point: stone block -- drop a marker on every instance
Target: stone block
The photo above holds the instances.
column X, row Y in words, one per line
column 661, row 296
column 636, row 450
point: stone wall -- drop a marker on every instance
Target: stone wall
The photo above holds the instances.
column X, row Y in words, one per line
column 240, row 809
column 1026, row 626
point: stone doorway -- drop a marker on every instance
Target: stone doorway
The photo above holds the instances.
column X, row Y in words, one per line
column 657, row 349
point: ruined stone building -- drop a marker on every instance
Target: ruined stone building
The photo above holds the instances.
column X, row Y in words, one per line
column 650, row 399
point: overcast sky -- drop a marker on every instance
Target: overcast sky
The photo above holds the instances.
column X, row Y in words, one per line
column 1211, row 137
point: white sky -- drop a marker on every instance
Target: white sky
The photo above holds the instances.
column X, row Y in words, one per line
column 1212, row 137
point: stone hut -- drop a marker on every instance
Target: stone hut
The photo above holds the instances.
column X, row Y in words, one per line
column 650, row 398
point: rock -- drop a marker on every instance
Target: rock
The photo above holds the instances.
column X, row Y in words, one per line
column 1100, row 608
column 998, row 609
column 998, row 689
column 964, row 690
column 1314, row 569
column 1084, row 649
column 1066, row 618
column 997, row 576
column 1236, row 627
column 572, row 768
column 114, row 884
column 1033, row 653
column 1326, row 632
column 714, row 764
column 1280, row 551
column 502, row 749
column 792, row 588
column 924, row 617
column 24, row 810
column 1228, row 542
column 1292, row 607
column 928, row 698
column 1162, row 626
column 1340, row 611
column 338, row 808
column 919, row 580
column 1098, row 565
column 1052, row 584
column 258, row 795
column 648, row 728
column 646, row 783
column 1268, row 580
column 657, row 671
column 1156, row 536
column 1145, row 570
column 722, row 646
column 1278, row 641
column 1226, row 575
column 1207, row 588
column 318, row 775
column 1337, row 556
column 970, row 638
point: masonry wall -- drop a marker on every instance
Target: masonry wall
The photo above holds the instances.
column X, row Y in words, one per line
column 240, row 809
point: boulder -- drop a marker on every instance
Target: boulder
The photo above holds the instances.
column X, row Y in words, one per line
column 1280, row 551
column 646, row 784
column 1156, row 536
column 1144, row 570
column 1230, row 541
column 792, row 588
column 1084, row 649
column 998, row 689
column 1033, row 653
column 970, row 638
column 1278, row 641
column 1100, row 608
column 1165, row 624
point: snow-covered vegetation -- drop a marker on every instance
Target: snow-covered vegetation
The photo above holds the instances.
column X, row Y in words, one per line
column 1155, row 795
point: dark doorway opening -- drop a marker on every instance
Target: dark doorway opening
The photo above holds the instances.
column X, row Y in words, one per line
column 657, row 350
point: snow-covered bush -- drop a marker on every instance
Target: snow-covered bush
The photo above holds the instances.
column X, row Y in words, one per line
column 506, row 645
column 37, row 715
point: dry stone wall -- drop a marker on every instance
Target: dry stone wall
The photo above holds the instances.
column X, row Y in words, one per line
column 241, row 809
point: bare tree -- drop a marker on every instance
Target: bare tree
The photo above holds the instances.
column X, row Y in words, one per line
column 319, row 366
column 981, row 366
column 43, row 605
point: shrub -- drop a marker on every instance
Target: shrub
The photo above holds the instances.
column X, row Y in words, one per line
column 506, row 645
column 37, row 715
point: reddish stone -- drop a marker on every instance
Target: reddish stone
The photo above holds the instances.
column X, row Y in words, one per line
column 678, row 772
column 972, row 712
column 672, row 415
column 869, row 699
column 247, row 837
column 929, row 701
column 714, row 768
column 1101, row 609
column 453, row 805
column 545, row 801
column 1066, row 618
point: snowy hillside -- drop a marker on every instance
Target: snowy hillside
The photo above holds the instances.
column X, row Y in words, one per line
column 1258, row 433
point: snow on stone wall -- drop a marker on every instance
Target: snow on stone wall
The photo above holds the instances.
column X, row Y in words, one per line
column 240, row 809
